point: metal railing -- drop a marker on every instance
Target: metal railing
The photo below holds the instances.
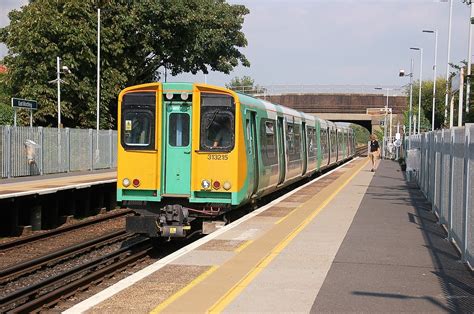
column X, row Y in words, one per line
column 443, row 166
column 26, row 151
column 268, row 90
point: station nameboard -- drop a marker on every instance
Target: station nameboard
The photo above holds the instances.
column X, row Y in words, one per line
column 25, row 103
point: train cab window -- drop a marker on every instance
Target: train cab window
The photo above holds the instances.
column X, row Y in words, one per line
column 138, row 121
column 217, row 123
column 137, row 128
column 179, row 130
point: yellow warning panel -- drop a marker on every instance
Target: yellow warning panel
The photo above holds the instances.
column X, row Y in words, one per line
column 128, row 125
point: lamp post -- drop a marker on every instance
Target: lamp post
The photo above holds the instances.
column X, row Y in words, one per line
column 410, row 112
column 434, row 75
column 469, row 55
column 58, row 81
column 447, row 63
column 98, row 86
column 421, row 78
column 386, row 110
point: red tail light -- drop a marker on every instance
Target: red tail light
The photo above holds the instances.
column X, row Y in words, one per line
column 136, row 183
column 216, row 185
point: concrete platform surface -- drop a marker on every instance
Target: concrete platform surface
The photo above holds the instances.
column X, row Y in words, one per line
column 46, row 184
column 395, row 257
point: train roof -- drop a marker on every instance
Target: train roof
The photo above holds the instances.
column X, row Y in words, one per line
column 266, row 105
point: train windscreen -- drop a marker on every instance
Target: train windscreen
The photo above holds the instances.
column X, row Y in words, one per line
column 217, row 123
column 138, row 121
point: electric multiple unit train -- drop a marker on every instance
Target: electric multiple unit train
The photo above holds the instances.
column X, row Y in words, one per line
column 190, row 153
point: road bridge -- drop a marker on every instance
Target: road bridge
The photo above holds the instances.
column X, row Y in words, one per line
column 362, row 109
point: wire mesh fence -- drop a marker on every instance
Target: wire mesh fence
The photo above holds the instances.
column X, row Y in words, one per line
column 26, row 151
column 442, row 163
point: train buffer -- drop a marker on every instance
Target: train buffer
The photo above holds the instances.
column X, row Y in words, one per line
column 353, row 240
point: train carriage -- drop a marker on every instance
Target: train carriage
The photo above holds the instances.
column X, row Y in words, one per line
column 190, row 153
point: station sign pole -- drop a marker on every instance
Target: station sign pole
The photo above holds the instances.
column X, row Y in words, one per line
column 24, row 104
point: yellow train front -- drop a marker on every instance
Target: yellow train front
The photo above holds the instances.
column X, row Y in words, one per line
column 190, row 153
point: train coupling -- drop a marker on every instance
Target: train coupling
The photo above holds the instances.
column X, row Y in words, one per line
column 171, row 222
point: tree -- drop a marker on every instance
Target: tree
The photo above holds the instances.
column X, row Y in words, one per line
column 137, row 39
column 361, row 134
column 467, row 117
column 245, row 84
column 427, row 103
column 6, row 111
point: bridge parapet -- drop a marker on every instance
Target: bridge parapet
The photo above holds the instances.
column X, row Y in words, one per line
column 261, row 90
column 338, row 103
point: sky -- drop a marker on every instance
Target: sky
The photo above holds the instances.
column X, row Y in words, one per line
column 337, row 42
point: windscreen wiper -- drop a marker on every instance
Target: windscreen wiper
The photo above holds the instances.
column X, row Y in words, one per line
column 212, row 119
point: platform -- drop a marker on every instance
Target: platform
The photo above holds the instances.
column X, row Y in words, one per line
column 46, row 184
column 347, row 241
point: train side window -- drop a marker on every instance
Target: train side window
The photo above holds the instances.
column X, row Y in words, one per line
column 324, row 142
column 217, row 123
column 312, row 147
column 294, row 141
column 290, row 138
column 249, row 136
column 267, row 134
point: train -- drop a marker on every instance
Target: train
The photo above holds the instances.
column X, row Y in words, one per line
column 190, row 153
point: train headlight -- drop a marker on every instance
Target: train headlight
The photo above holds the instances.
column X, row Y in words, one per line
column 169, row 96
column 227, row 186
column 184, row 96
column 126, row 182
column 206, row 184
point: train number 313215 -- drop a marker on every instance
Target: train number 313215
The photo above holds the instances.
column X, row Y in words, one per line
column 217, row 157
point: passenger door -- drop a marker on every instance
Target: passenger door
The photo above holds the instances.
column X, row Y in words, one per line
column 281, row 150
column 253, row 152
column 304, row 147
column 177, row 171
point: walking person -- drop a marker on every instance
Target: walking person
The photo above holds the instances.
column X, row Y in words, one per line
column 374, row 151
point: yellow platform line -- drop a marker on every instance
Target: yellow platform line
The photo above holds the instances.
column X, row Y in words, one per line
column 185, row 289
column 243, row 246
column 235, row 291
column 288, row 215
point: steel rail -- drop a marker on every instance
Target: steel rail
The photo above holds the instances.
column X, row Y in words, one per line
column 361, row 150
column 18, row 270
column 67, row 283
column 43, row 235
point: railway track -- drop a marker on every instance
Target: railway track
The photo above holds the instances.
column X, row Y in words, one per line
column 25, row 268
column 362, row 150
column 61, row 230
column 46, row 293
